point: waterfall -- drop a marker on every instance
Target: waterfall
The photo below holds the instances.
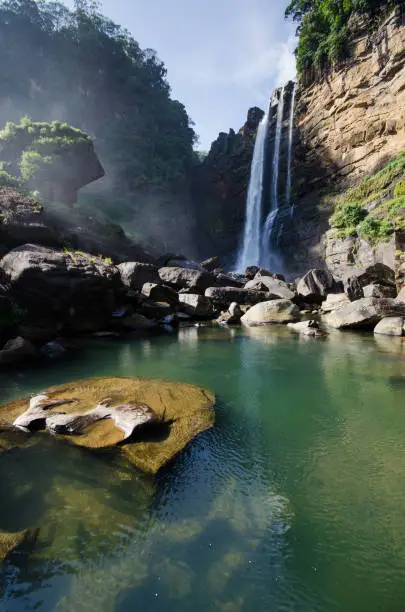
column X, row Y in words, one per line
column 290, row 148
column 250, row 251
column 260, row 238
column 267, row 258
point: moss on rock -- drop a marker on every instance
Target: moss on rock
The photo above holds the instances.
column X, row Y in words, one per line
column 184, row 410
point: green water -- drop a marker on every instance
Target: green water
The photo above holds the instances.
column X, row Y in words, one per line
column 295, row 501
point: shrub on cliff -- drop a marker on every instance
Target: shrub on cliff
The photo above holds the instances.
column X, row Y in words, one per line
column 323, row 32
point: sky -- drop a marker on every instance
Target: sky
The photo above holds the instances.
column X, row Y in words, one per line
column 222, row 56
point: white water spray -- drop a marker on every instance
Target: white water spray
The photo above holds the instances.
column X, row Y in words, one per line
column 250, row 251
column 267, row 256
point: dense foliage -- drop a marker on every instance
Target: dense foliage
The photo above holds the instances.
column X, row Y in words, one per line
column 34, row 151
column 374, row 208
column 323, row 27
column 78, row 66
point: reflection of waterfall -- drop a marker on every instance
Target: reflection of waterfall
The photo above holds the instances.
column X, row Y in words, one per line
column 250, row 251
column 263, row 222
column 290, row 148
column 267, row 258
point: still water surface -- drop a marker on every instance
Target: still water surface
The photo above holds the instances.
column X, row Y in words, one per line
column 295, row 501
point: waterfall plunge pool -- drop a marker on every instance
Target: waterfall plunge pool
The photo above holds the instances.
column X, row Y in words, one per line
column 293, row 501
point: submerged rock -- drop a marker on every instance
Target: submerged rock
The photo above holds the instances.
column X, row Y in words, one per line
column 10, row 541
column 176, row 413
column 275, row 311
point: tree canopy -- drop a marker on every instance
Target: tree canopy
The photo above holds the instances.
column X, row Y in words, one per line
column 323, row 32
column 79, row 67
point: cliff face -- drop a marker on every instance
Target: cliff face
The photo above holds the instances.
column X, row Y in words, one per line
column 349, row 124
column 354, row 117
column 219, row 187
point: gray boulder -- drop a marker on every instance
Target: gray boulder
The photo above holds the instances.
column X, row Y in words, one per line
column 334, row 301
column 306, row 328
column 276, row 288
column 275, row 311
column 134, row 274
column 225, row 280
column 184, row 278
column 401, row 296
column 16, row 350
column 364, row 313
column 196, row 305
column 224, row 296
column 390, row 326
column 160, row 293
column 211, row 264
column 315, row 285
column 379, row 291
column 378, row 273
column 75, row 289
column 251, row 272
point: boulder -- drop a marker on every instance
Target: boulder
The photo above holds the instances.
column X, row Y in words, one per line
column 256, row 285
column 224, row 296
column 137, row 321
column 181, row 262
column 379, row 291
column 160, row 293
column 226, row 280
column 179, row 412
column 276, row 288
column 364, row 313
column 251, row 272
column 315, row 285
column 334, row 301
column 390, row 326
column 196, row 305
column 275, row 311
column 306, row 328
column 184, row 278
column 211, row 264
column 401, row 296
column 75, row 289
column 12, row 541
column 232, row 316
column 134, row 274
column 378, row 273
column 16, row 350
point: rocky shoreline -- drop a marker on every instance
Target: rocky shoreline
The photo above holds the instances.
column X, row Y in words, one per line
column 49, row 296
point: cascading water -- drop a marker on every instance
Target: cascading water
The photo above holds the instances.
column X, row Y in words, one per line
column 250, row 251
column 290, row 149
column 267, row 257
column 260, row 238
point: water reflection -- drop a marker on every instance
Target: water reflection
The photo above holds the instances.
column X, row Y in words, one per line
column 294, row 501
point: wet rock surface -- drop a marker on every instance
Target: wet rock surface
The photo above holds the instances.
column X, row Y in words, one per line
column 149, row 420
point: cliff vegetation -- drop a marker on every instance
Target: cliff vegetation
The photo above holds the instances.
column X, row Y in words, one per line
column 374, row 208
column 324, row 27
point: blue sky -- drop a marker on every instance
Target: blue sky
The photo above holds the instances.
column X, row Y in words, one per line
column 222, row 56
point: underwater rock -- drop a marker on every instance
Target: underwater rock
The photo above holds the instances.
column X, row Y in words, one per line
column 11, row 541
column 174, row 413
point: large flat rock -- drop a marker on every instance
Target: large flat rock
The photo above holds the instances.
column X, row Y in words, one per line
column 182, row 412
